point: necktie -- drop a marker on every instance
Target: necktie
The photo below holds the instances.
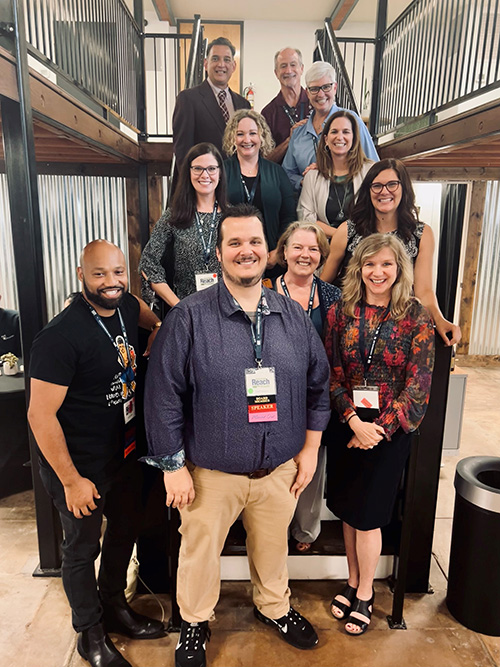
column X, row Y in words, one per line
column 222, row 104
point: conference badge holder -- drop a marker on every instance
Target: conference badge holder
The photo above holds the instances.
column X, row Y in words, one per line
column 204, row 280
column 260, row 386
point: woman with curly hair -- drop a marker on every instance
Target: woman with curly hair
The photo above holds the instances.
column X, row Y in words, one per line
column 380, row 344
column 386, row 204
column 329, row 191
column 254, row 180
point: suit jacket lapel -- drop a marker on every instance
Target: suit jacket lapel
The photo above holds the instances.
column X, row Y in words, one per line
column 212, row 105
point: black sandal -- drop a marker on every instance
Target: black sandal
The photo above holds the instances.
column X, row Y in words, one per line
column 364, row 607
column 350, row 594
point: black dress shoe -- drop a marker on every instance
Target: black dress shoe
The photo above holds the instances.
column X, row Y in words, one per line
column 96, row 647
column 294, row 628
column 121, row 618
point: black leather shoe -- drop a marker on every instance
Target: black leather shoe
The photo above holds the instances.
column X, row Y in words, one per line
column 96, row 647
column 294, row 628
column 121, row 618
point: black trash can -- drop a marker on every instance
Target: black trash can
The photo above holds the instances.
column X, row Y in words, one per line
column 474, row 576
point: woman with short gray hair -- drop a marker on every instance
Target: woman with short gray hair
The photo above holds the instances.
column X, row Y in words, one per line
column 321, row 85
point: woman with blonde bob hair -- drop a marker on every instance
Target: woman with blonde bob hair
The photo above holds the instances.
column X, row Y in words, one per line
column 251, row 179
column 329, row 191
column 380, row 343
column 302, row 249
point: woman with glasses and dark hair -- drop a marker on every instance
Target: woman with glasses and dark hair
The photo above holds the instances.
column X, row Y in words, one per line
column 252, row 179
column 328, row 191
column 380, row 343
column 321, row 86
column 386, row 204
column 183, row 241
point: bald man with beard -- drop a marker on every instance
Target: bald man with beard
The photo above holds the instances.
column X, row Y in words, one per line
column 82, row 413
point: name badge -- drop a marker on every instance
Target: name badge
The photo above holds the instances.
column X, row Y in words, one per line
column 260, row 384
column 366, row 397
column 129, row 410
column 204, row 280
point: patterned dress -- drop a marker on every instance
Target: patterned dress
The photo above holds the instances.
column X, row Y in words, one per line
column 187, row 253
column 362, row 484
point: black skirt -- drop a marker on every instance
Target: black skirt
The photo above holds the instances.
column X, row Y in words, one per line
column 362, row 484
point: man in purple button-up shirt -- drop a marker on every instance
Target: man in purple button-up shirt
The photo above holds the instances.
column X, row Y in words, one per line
column 227, row 447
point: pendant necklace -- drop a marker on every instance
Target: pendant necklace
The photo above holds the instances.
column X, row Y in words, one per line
column 341, row 215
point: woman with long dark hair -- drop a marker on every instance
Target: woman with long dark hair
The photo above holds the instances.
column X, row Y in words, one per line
column 329, row 191
column 186, row 234
column 386, row 204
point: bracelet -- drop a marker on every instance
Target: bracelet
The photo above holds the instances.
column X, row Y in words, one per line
column 354, row 414
column 156, row 325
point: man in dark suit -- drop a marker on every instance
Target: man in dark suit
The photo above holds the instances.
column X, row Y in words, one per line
column 201, row 113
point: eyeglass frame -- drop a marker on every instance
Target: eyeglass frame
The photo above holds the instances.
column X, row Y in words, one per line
column 378, row 191
column 198, row 170
column 326, row 87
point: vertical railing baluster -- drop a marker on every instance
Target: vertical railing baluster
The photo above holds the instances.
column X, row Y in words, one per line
column 492, row 49
column 453, row 51
column 485, row 33
column 476, row 55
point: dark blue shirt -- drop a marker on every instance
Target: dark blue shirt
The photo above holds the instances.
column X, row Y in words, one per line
column 195, row 388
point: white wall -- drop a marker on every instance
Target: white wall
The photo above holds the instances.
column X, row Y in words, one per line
column 261, row 41
column 428, row 201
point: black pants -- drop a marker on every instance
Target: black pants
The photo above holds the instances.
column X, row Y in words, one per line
column 119, row 503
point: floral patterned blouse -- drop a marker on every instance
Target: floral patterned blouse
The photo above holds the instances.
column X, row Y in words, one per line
column 402, row 363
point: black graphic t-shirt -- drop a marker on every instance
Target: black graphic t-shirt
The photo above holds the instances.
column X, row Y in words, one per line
column 74, row 351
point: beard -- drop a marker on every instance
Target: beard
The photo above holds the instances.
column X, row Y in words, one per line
column 97, row 298
column 249, row 281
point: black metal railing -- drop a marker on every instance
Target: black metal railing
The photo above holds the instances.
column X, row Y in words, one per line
column 173, row 61
column 94, row 45
column 328, row 49
column 358, row 54
column 435, row 55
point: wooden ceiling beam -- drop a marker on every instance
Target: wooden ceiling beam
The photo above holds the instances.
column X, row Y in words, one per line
column 457, row 174
column 164, row 11
column 340, row 12
column 468, row 128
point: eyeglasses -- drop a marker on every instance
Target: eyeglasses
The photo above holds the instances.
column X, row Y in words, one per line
column 391, row 186
column 198, row 171
column 314, row 90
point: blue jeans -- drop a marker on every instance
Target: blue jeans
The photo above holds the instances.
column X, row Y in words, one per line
column 119, row 503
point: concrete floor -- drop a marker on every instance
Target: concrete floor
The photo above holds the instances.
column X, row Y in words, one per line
column 35, row 628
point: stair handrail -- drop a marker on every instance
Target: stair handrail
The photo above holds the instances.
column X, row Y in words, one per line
column 195, row 50
column 340, row 68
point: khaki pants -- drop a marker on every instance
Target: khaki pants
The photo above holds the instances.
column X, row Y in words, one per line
column 267, row 507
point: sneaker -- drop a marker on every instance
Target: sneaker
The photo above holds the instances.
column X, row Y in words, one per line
column 190, row 649
column 294, row 628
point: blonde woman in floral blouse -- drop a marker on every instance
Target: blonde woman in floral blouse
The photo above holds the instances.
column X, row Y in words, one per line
column 380, row 342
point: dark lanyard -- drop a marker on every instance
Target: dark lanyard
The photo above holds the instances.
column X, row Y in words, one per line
column 367, row 360
column 213, row 225
column 256, row 330
column 311, row 297
column 291, row 113
column 129, row 371
column 315, row 142
column 250, row 195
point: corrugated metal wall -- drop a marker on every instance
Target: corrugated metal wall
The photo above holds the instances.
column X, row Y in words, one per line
column 485, row 333
column 74, row 210
column 8, row 287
